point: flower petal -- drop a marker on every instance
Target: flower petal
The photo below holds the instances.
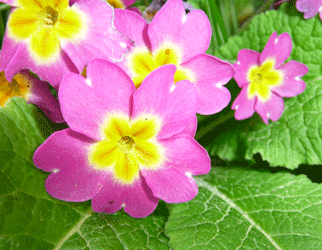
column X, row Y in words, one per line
column 185, row 155
column 111, row 84
column 22, row 23
column 244, row 108
column 309, row 7
column 292, row 84
column 171, row 24
column 102, row 39
column 128, row 2
column 86, row 103
column 271, row 109
column 246, row 59
column 171, row 185
column 278, row 48
column 154, row 93
column 21, row 59
column 83, row 111
column 211, row 74
column 42, row 97
column 72, row 179
column 136, row 199
column 133, row 26
column 10, row 2
column 181, row 110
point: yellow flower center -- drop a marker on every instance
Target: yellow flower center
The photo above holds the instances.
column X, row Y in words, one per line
column 261, row 79
column 127, row 147
column 116, row 4
column 44, row 24
column 141, row 62
column 19, row 86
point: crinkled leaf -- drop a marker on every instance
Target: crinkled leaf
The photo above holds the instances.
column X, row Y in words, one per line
column 31, row 219
column 296, row 138
column 239, row 208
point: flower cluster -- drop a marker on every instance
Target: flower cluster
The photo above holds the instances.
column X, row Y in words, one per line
column 129, row 92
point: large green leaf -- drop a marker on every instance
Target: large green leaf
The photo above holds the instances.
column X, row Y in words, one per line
column 31, row 219
column 238, row 208
column 296, row 137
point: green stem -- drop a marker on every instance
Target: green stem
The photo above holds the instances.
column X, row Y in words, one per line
column 210, row 126
column 262, row 9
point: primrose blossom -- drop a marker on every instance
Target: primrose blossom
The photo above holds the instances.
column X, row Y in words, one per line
column 309, row 7
column 264, row 79
column 174, row 37
column 33, row 91
column 124, row 148
column 52, row 38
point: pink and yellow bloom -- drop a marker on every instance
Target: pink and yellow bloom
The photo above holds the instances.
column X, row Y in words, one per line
column 174, row 37
column 264, row 79
column 124, row 148
column 52, row 38
column 33, row 91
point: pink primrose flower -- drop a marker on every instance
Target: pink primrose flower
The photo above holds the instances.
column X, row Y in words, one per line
column 309, row 7
column 264, row 80
column 174, row 37
column 33, row 91
column 124, row 148
column 52, row 38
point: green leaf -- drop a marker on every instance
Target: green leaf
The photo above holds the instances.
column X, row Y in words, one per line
column 239, row 208
column 31, row 219
column 296, row 137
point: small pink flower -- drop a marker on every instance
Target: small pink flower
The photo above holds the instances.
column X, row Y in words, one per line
column 174, row 37
column 264, row 80
column 309, row 7
column 33, row 91
column 124, row 148
column 52, row 38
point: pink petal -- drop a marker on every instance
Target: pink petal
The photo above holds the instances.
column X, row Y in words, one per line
column 52, row 73
column 244, row 108
column 154, row 93
column 72, row 179
column 191, row 128
column 171, row 185
column 278, row 48
column 211, row 74
column 309, row 7
column 137, row 199
column 185, row 155
column 272, row 109
column 192, row 32
column 9, row 48
column 128, row 2
column 102, row 41
column 134, row 9
column 246, row 59
column 42, row 97
column 133, row 26
column 85, row 103
column 180, row 111
column 10, row 2
column 292, row 84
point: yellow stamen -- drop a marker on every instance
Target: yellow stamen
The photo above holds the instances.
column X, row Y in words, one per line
column 127, row 146
column 117, row 4
column 141, row 62
column 43, row 24
column 261, row 79
column 19, row 86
